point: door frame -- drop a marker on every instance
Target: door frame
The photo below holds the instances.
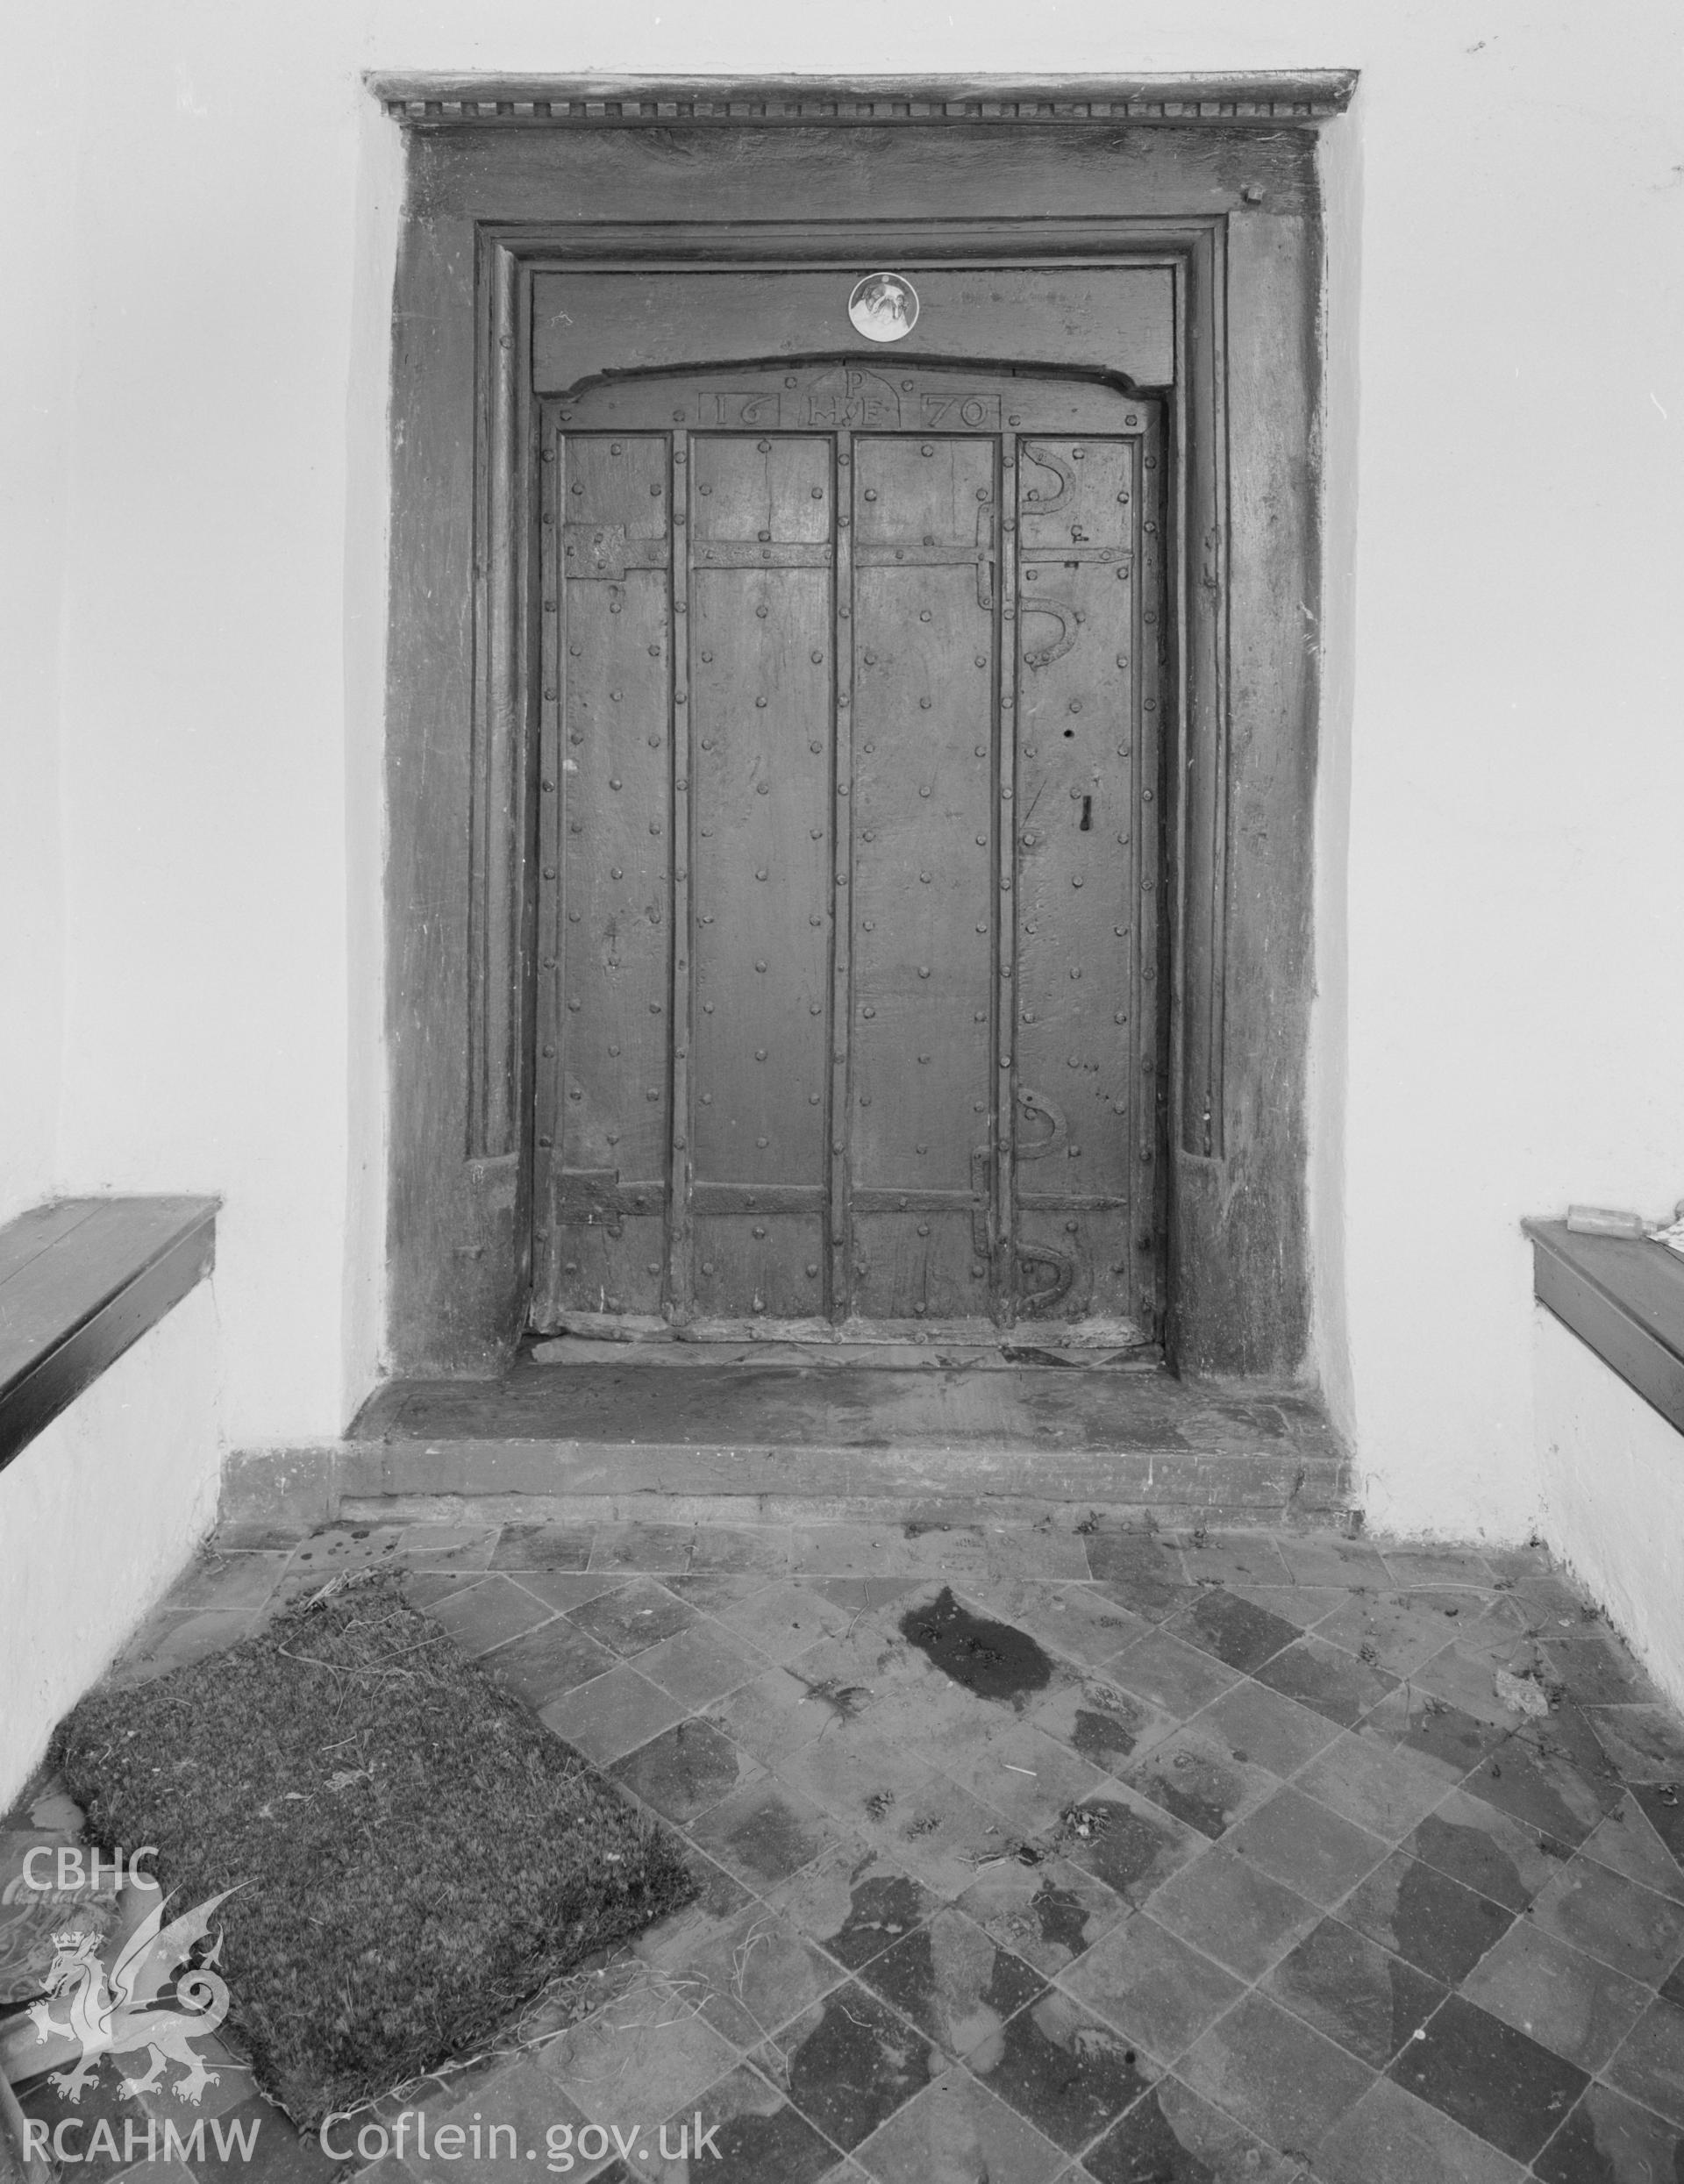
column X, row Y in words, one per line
column 1218, row 183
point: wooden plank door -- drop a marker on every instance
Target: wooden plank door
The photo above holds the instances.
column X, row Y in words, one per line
column 848, row 995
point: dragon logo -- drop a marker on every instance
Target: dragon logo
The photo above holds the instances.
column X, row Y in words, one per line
column 119, row 2012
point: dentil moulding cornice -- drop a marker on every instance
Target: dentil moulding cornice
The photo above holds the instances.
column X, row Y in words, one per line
column 1299, row 96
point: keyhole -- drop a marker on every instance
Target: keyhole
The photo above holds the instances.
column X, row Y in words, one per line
column 1087, row 815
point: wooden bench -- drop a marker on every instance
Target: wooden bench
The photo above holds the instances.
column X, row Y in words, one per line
column 1624, row 1296
column 81, row 1282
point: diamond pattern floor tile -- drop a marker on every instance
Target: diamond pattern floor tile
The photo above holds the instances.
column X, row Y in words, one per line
column 1348, row 1987
column 1609, row 2139
column 853, row 1903
column 1282, row 2076
column 1172, row 2133
column 1063, row 2070
column 1160, row 1993
column 955, row 1983
column 954, row 2132
column 1499, row 2083
column 1390, row 2138
column 1255, row 1875
column 1223, row 1905
column 1049, row 1913
column 1195, row 1775
column 1425, row 1917
column 687, row 1769
column 1556, row 1994
column 1649, row 2064
column 1631, row 1928
column 1308, row 1847
column 1176, row 1676
column 848, row 2063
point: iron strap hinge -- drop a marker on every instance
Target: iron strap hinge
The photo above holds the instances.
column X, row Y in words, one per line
column 740, row 553
column 602, row 553
column 1039, row 556
column 593, row 1193
column 978, row 557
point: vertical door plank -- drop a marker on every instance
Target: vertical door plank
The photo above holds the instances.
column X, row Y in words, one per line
column 548, row 1252
column 614, row 972
column 1078, row 818
column 1003, row 1258
column 1149, row 1065
column 681, row 1229
column 838, row 1210
column 922, row 821
column 762, row 613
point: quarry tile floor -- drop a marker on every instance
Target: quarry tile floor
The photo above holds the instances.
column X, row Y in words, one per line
column 1050, row 1854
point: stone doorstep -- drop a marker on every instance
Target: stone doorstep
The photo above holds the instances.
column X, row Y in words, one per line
column 296, row 1489
column 950, row 1512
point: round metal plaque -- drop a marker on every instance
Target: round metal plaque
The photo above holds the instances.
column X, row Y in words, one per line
column 884, row 307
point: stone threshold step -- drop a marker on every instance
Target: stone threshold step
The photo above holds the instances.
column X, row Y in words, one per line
column 290, row 1487
column 1052, row 1409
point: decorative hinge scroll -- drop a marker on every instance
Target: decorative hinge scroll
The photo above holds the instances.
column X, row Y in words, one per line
column 1044, row 459
column 1030, row 1102
column 1037, row 1301
column 1067, row 616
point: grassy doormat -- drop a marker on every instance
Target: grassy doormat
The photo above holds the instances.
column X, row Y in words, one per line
column 414, row 1855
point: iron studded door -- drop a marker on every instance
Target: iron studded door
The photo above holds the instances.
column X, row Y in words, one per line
column 848, row 1001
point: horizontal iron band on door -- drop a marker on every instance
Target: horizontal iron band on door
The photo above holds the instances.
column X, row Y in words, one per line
column 918, row 1201
column 1040, row 556
column 583, row 1193
column 810, row 1198
column 735, row 554
column 1078, row 1202
column 955, row 556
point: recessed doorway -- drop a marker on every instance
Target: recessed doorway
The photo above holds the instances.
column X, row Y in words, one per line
column 1060, row 1082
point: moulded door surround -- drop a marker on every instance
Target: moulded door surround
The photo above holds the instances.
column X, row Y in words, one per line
column 1057, row 663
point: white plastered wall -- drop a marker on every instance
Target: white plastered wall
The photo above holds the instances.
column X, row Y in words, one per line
column 1499, row 889
column 1611, row 1482
column 1514, row 895
column 38, row 171
column 98, row 1516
